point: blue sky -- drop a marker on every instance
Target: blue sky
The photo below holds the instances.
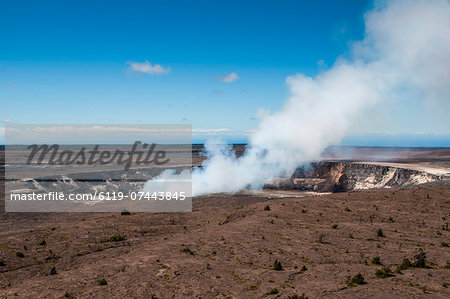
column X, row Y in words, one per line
column 69, row 61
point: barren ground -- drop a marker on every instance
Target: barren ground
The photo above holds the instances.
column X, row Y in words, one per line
column 228, row 245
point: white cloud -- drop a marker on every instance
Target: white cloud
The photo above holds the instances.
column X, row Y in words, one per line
column 229, row 77
column 147, row 68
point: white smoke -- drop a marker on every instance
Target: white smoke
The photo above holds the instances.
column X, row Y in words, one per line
column 406, row 50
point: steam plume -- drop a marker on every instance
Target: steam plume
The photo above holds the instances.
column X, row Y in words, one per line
column 406, row 50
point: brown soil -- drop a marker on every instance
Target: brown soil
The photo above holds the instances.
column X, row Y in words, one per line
column 228, row 246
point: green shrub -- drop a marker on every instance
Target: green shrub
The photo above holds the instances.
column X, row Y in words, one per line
column 444, row 244
column 376, row 261
column 267, row 208
column 383, row 273
column 253, row 287
column 102, row 282
column 335, row 226
column 380, row 233
column 115, row 238
column 186, row 250
column 20, row 254
column 406, row 263
column 272, row 291
column 42, row 243
column 2, row 263
column 53, row 271
column 125, row 213
column 277, row 266
column 355, row 280
column 420, row 259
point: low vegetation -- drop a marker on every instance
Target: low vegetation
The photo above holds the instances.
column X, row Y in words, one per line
column 356, row 280
column 272, row 291
column 253, row 287
column 420, row 261
column 384, row 272
column 102, row 282
column 406, row 263
column 116, row 238
column 186, row 251
column 277, row 266
column 376, row 261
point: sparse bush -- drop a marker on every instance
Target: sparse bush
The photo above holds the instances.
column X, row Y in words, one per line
column 102, row 282
column 376, row 261
column 380, row 233
column 267, row 208
column 20, row 254
column 2, row 263
column 68, row 295
column 384, row 272
column 253, row 287
column 116, row 238
column 444, row 244
column 42, row 243
column 321, row 239
column 355, row 280
column 186, row 250
column 406, row 263
column 304, row 268
column 335, row 226
column 125, row 213
column 303, row 211
column 272, row 291
column 295, row 296
column 277, row 266
column 420, row 260
column 53, row 271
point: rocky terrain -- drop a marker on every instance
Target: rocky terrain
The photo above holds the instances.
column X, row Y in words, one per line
column 274, row 243
column 228, row 247
column 345, row 176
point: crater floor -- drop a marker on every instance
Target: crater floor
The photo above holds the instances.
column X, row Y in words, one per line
column 228, row 245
